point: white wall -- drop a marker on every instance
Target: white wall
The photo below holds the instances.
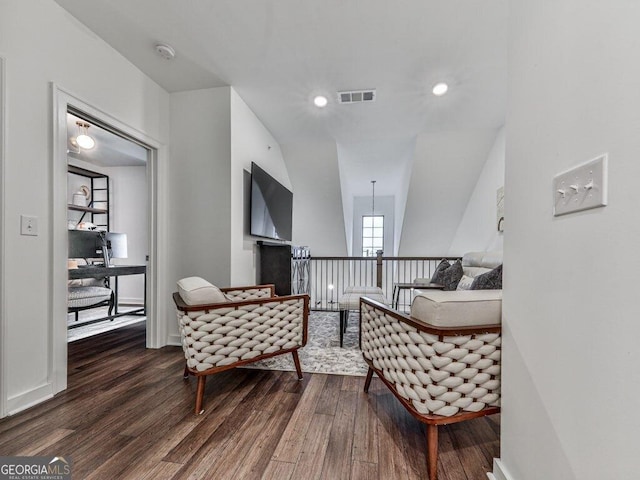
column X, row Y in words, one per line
column 478, row 229
column 250, row 142
column 42, row 44
column 571, row 380
column 199, row 186
column 318, row 220
column 384, row 205
column 391, row 160
column 446, row 167
column 129, row 215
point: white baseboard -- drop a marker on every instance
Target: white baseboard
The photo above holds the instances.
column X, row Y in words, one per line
column 30, row 398
column 499, row 471
column 174, row 340
column 130, row 301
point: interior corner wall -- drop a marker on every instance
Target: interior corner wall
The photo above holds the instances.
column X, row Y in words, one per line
column 570, row 312
column 250, row 142
column 41, row 43
column 478, row 229
column 199, row 190
column 446, row 168
column 384, row 205
column 318, row 220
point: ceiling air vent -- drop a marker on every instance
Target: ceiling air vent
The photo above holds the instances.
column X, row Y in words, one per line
column 357, row 96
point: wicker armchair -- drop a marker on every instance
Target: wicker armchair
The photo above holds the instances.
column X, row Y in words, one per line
column 440, row 374
column 241, row 325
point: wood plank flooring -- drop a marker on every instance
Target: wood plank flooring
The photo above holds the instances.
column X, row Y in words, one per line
column 127, row 413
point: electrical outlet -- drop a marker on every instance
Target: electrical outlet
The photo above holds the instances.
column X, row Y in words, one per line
column 28, row 225
column 581, row 188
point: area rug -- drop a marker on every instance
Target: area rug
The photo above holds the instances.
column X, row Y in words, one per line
column 323, row 353
column 80, row 329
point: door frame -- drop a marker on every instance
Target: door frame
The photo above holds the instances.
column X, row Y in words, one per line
column 3, row 320
column 156, row 336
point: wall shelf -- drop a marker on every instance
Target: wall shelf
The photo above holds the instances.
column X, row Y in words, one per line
column 86, row 209
column 98, row 208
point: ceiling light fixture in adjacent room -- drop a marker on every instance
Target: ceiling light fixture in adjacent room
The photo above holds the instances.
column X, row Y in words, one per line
column 165, row 51
column 320, row 101
column 440, row 89
column 83, row 139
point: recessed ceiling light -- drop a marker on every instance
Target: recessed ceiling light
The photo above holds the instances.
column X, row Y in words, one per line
column 320, row 101
column 440, row 89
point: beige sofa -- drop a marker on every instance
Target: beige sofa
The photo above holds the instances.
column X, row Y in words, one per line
column 442, row 361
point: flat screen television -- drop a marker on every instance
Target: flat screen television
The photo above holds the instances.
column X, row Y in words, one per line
column 271, row 206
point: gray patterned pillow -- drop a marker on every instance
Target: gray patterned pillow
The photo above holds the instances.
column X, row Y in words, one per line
column 451, row 276
column 437, row 274
column 489, row 281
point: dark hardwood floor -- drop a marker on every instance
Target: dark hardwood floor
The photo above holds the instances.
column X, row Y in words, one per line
column 127, row 413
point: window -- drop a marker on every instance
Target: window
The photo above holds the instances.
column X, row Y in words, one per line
column 372, row 234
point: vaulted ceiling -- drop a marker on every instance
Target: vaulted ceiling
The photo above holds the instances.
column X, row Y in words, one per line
column 279, row 54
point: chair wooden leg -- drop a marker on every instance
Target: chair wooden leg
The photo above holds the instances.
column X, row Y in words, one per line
column 202, row 379
column 343, row 322
column 296, row 361
column 185, row 375
column 432, row 451
column 367, row 382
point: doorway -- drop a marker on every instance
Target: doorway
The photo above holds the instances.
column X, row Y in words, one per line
column 64, row 102
column 107, row 227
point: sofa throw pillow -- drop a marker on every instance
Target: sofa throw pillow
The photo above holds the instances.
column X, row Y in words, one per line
column 489, row 281
column 442, row 266
column 451, row 276
column 465, row 283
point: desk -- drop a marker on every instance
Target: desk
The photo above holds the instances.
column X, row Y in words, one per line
column 406, row 286
column 114, row 271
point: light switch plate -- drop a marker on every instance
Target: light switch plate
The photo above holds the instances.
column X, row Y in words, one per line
column 581, row 188
column 28, row 225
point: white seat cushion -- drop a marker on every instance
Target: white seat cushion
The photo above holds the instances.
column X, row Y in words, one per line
column 351, row 301
column 462, row 308
column 197, row 291
column 80, row 297
column 362, row 289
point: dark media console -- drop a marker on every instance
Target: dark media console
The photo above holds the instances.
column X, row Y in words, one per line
column 286, row 266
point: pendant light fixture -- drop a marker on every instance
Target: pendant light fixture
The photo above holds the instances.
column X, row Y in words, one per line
column 83, row 139
column 373, row 198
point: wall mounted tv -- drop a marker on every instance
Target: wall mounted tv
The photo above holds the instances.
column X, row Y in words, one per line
column 271, row 206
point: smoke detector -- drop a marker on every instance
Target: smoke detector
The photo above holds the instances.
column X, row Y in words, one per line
column 165, row 51
column 357, row 96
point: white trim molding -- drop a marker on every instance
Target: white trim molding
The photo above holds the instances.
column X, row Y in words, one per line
column 28, row 399
column 3, row 321
column 499, row 471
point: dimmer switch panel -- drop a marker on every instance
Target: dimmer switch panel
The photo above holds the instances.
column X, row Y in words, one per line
column 581, row 188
